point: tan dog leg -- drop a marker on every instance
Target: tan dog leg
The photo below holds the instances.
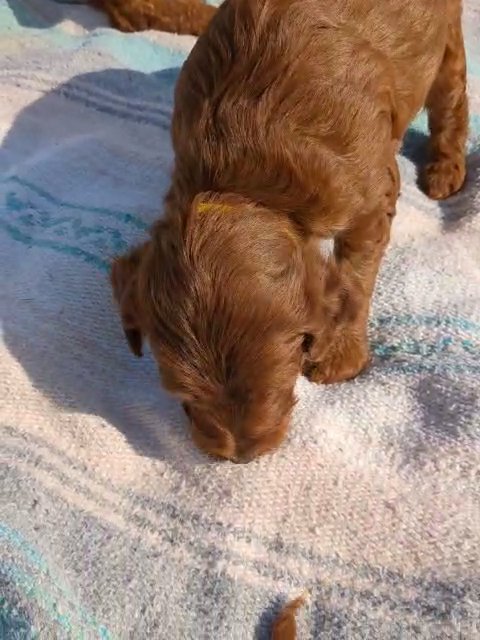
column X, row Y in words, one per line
column 448, row 117
column 359, row 252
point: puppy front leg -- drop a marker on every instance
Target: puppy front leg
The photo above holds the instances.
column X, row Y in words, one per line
column 359, row 253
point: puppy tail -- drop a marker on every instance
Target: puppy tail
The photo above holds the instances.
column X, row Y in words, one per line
column 189, row 17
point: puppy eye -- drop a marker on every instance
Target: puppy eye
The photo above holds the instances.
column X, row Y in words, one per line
column 187, row 410
column 307, row 342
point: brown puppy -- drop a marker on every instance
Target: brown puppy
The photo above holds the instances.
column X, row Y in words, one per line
column 288, row 115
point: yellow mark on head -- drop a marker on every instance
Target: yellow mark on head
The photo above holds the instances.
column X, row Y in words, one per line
column 291, row 235
column 213, row 207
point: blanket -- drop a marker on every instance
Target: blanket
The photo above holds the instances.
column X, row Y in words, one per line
column 112, row 524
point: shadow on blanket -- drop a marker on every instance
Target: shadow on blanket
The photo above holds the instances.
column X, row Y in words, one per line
column 47, row 13
column 113, row 159
column 109, row 152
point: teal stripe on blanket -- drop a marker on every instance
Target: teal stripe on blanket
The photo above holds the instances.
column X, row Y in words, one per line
column 71, row 617
column 120, row 216
column 141, row 54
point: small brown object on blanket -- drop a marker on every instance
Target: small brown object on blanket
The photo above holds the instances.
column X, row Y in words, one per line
column 285, row 627
column 288, row 117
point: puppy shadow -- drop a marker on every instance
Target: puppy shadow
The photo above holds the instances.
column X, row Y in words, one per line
column 460, row 208
column 43, row 14
column 263, row 628
column 70, row 206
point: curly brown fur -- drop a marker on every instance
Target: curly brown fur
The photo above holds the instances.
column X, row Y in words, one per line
column 288, row 115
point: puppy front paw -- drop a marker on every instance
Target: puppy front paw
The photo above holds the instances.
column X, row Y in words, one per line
column 443, row 178
column 343, row 361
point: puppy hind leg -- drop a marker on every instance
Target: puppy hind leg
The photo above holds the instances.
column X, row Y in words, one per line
column 189, row 17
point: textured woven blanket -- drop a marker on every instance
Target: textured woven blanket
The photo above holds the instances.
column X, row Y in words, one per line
column 112, row 525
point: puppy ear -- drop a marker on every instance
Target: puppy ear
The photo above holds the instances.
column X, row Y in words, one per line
column 123, row 278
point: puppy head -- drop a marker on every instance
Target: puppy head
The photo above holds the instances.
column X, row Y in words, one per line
column 221, row 296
